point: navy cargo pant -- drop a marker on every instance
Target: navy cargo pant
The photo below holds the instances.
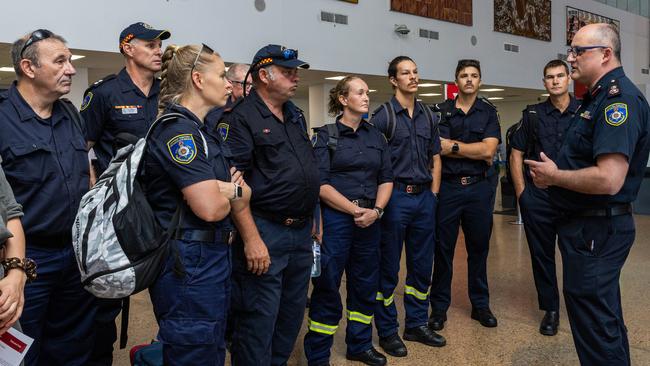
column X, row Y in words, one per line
column 268, row 310
column 355, row 250
column 191, row 301
column 469, row 207
column 539, row 223
column 409, row 219
column 59, row 314
column 594, row 250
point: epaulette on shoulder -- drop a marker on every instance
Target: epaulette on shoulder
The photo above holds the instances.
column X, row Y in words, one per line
column 100, row 82
column 486, row 101
column 613, row 90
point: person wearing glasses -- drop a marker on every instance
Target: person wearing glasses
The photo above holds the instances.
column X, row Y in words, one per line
column 542, row 129
column 236, row 74
column 356, row 183
column 185, row 165
column 118, row 110
column 267, row 138
column 45, row 160
column 592, row 183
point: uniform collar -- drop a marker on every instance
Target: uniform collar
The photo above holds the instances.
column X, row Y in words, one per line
column 348, row 130
column 478, row 105
column 608, row 78
column 184, row 111
column 127, row 84
column 571, row 108
column 25, row 111
column 398, row 107
column 288, row 108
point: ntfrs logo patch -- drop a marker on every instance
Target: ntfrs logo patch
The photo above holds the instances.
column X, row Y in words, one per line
column 182, row 148
column 223, row 129
column 616, row 114
column 86, row 101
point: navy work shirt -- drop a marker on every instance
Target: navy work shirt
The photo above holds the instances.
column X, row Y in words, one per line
column 480, row 122
column 360, row 163
column 175, row 158
column 613, row 119
column 214, row 116
column 414, row 142
column 46, row 164
column 114, row 105
column 548, row 134
column 276, row 156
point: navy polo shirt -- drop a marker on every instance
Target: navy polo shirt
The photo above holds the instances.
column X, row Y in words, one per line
column 613, row 119
column 276, row 156
column 550, row 129
column 413, row 145
column 46, row 164
column 480, row 122
column 214, row 116
column 114, row 105
column 360, row 163
column 175, row 158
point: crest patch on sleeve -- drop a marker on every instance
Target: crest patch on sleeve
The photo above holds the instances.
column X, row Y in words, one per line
column 86, row 101
column 616, row 114
column 223, row 129
column 182, row 148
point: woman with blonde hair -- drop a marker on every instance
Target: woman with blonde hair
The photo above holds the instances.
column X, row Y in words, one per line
column 185, row 167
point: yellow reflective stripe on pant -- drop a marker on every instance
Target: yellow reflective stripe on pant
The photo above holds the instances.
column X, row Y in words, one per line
column 409, row 290
column 387, row 301
column 359, row 317
column 321, row 328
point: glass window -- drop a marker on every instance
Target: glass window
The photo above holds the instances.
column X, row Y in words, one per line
column 633, row 6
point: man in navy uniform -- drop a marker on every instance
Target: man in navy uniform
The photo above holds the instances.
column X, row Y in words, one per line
column 593, row 181
column 267, row 137
column 46, row 162
column 236, row 74
column 542, row 129
column 118, row 110
column 469, row 133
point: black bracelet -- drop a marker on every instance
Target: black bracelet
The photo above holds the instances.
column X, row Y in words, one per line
column 26, row 265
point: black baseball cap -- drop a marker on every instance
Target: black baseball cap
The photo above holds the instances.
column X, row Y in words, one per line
column 274, row 54
column 142, row 31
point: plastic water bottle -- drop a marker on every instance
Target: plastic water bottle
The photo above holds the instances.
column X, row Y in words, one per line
column 315, row 267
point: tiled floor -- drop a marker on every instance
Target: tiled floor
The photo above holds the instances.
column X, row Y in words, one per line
column 516, row 340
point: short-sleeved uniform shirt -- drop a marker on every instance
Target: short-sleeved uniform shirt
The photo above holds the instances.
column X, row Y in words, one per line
column 176, row 158
column 46, row 164
column 613, row 119
column 276, row 156
column 480, row 122
column 414, row 142
column 360, row 163
column 114, row 105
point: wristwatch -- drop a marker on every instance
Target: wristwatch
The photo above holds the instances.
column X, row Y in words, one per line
column 379, row 211
column 238, row 192
column 455, row 148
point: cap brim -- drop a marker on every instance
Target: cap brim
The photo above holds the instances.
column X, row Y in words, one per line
column 295, row 63
column 154, row 34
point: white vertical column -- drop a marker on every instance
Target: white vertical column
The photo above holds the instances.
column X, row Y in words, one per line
column 318, row 102
column 79, row 86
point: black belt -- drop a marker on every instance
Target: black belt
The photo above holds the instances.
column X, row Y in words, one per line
column 55, row 241
column 613, row 210
column 221, row 236
column 464, row 180
column 296, row 222
column 411, row 188
column 364, row 203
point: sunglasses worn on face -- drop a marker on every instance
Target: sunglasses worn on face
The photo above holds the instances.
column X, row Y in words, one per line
column 37, row 35
column 205, row 48
column 578, row 50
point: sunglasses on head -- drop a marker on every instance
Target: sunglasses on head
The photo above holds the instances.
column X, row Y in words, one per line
column 37, row 35
column 205, row 48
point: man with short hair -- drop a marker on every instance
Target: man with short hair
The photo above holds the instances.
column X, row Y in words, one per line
column 118, row 110
column 593, row 181
column 469, row 135
column 542, row 129
column 267, row 137
column 236, row 74
column 46, row 163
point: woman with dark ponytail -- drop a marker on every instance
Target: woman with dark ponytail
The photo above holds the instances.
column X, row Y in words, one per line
column 356, row 183
column 185, row 167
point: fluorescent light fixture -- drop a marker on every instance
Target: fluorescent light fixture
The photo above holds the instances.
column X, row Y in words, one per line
column 7, row 69
column 419, row 100
column 495, row 98
column 337, row 78
column 429, row 95
column 76, row 57
column 545, row 94
column 428, row 85
column 371, row 90
column 492, row 90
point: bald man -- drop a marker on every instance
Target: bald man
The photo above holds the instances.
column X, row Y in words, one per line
column 594, row 180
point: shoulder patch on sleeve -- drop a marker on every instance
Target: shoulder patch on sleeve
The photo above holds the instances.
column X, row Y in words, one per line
column 86, row 102
column 182, row 148
column 223, row 129
column 616, row 114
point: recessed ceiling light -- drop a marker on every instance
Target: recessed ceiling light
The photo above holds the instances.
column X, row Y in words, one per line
column 545, row 94
column 428, row 85
column 76, row 57
column 337, row 78
column 7, row 69
column 372, row 91
column 492, row 90
column 429, row 95
column 495, row 98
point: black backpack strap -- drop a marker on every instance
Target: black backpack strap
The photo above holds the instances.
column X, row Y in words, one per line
column 333, row 139
column 391, row 120
column 74, row 115
column 533, row 133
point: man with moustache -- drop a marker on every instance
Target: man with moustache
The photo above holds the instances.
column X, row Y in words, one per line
column 593, row 181
column 118, row 110
column 45, row 160
column 469, row 134
column 414, row 144
column 542, row 129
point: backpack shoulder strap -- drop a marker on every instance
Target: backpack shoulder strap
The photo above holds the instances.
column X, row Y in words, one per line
column 391, row 120
column 74, row 115
column 333, row 139
column 533, row 133
column 173, row 116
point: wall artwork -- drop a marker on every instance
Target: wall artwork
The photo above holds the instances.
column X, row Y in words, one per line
column 455, row 11
column 526, row 18
column 351, row 1
column 576, row 19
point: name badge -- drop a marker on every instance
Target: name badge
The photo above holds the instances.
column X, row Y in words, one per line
column 130, row 110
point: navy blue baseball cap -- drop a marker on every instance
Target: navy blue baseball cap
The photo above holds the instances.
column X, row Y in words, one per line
column 274, row 54
column 142, row 31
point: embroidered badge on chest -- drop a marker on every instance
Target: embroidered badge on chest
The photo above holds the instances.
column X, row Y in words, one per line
column 182, row 148
column 616, row 114
column 223, row 129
